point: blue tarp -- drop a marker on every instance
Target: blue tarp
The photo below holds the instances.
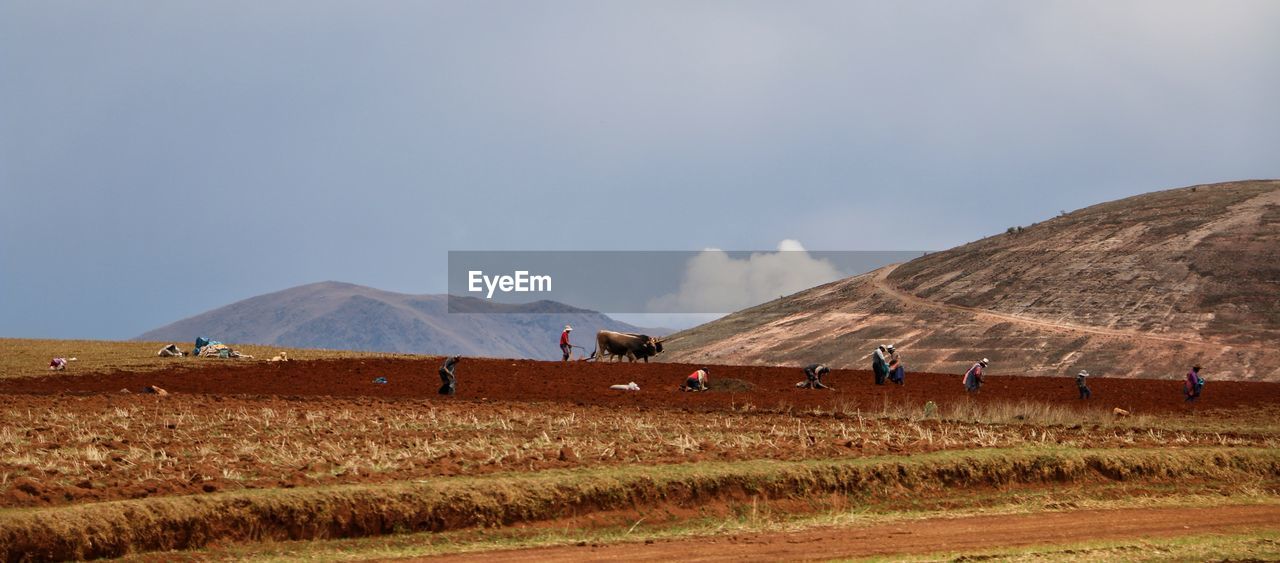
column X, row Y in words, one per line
column 201, row 342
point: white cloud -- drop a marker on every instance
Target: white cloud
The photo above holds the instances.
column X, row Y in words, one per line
column 790, row 245
column 715, row 282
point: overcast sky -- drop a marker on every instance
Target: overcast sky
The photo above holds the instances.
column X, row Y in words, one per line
column 161, row 158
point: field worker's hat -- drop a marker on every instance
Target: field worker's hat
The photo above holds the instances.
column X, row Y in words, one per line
column 891, row 347
column 567, row 328
column 1084, row 373
column 985, row 361
column 1197, row 366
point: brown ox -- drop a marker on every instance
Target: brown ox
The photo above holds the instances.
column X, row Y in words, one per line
column 625, row 344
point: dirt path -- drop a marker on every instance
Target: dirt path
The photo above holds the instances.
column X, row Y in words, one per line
column 880, row 279
column 923, row 536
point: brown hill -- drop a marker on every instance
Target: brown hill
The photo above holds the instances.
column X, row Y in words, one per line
column 1140, row 287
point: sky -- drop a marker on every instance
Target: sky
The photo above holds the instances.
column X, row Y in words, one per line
column 158, row 159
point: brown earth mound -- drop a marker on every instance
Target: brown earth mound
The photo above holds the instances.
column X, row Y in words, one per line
column 729, row 385
column 1141, row 287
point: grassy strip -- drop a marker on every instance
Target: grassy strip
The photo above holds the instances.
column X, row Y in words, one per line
column 115, row 528
column 1262, row 545
column 26, row 357
column 1259, row 420
column 185, row 443
column 645, row 526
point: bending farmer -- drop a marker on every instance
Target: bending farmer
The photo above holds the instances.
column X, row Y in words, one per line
column 448, row 384
column 813, row 377
column 697, row 381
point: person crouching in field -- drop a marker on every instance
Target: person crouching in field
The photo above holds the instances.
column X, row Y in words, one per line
column 813, row 377
column 448, row 383
column 897, row 373
column 973, row 378
column 1193, row 385
column 1083, row 385
column 697, row 381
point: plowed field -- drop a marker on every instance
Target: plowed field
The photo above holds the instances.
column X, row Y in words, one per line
column 70, row 441
column 588, row 383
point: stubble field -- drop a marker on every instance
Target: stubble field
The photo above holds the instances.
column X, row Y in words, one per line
column 244, row 452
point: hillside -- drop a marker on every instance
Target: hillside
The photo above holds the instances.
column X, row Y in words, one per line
column 1139, row 287
column 351, row 317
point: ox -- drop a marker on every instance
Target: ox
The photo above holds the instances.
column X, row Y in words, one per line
column 620, row 344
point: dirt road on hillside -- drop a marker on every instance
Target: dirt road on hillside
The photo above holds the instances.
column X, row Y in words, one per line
column 880, row 279
column 933, row 535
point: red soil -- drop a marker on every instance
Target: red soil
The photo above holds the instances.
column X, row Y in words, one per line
column 921, row 536
column 588, row 383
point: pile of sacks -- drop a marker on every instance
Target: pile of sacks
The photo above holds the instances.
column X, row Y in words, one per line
column 206, row 348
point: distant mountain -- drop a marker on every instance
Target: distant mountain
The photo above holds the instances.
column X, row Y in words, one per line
column 1140, row 287
column 346, row 316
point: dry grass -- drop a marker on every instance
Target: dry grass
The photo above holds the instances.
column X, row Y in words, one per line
column 136, row 445
column 1038, row 413
column 21, row 357
column 111, row 529
column 754, row 517
column 1258, row 422
column 238, row 468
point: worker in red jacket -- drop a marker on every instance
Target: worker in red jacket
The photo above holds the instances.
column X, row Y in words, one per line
column 697, row 381
column 564, row 342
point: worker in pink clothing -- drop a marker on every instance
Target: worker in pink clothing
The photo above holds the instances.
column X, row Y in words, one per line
column 697, row 381
column 1193, row 384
